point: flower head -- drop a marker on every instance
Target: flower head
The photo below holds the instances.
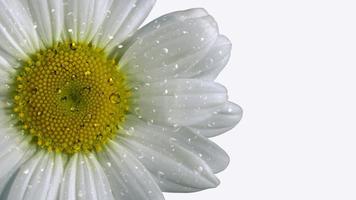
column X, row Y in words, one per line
column 94, row 107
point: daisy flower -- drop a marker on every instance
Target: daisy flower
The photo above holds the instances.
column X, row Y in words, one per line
column 94, row 107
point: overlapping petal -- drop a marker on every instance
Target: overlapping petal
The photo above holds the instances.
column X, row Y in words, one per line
column 184, row 44
column 104, row 23
column 219, row 121
column 15, row 149
column 179, row 159
column 84, row 178
column 128, row 177
column 18, row 36
column 38, row 178
column 48, row 18
column 123, row 19
column 179, row 102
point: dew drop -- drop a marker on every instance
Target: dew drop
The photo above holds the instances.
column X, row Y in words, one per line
column 160, row 173
column 165, row 50
column 114, row 98
column 80, row 194
column 200, row 169
column 157, row 26
column 111, row 81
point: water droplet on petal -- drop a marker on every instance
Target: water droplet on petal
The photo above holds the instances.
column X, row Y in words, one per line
column 114, row 98
column 165, row 50
column 200, row 169
column 80, row 194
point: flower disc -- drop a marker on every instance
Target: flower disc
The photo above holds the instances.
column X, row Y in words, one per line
column 70, row 97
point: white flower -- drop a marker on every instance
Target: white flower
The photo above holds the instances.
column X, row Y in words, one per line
column 92, row 108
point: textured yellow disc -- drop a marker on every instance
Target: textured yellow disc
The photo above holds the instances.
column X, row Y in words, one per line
column 70, row 98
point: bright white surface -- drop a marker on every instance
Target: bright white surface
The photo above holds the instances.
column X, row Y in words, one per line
column 293, row 71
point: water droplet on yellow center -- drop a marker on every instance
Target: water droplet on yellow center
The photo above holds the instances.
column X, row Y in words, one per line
column 70, row 98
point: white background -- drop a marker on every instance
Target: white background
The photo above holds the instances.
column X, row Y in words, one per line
column 293, row 72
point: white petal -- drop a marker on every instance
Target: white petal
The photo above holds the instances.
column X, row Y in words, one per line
column 221, row 121
column 12, row 158
column 15, row 148
column 176, row 157
column 124, row 18
column 18, row 37
column 39, row 178
column 6, row 182
column 85, row 179
column 169, row 45
column 6, row 72
column 6, row 66
column 128, row 177
column 57, row 175
column 209, row 152
column 178, row 102
column 83, row 18
column 48, row 18
column 209, row 67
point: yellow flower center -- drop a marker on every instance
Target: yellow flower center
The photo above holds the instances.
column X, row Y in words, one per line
column 70, row 98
